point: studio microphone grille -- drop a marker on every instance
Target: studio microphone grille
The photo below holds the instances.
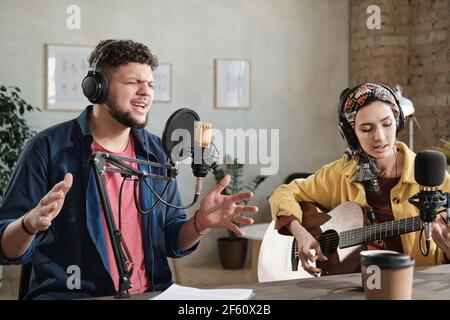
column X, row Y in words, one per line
column 429, row 168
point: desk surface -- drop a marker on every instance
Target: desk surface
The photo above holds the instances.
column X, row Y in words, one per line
column 429, row 283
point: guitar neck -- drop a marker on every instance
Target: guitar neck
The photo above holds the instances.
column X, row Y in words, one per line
column 379, row 231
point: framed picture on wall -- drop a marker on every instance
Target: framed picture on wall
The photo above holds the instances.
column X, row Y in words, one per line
column 163, row 83
column 232, row 83
column 66, row 66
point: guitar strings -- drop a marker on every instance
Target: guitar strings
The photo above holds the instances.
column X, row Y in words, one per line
column 348, row 236
column 371, row 230
column 349, row 241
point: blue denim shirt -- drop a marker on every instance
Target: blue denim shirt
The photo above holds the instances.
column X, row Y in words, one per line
column 76, row 235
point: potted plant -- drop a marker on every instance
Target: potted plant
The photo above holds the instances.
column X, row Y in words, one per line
column 14, row 131
column 233, row 249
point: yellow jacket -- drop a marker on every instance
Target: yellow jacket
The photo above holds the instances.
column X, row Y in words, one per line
column 332, row 185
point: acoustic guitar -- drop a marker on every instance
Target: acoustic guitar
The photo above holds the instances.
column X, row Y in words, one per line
column 343, row 233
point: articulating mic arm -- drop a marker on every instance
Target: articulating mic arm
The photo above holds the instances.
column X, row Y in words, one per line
column 99, row 161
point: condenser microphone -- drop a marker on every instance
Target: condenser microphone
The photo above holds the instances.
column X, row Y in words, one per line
column 203, row 149
column 429, row 173
column 184, row 136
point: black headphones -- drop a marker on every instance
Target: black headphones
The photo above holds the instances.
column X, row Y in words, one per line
column 347, row 132
column 95, row 84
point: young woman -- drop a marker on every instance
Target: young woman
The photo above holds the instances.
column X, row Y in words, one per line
column 376, row 171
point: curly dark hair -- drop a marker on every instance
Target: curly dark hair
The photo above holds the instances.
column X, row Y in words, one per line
column 120, row 52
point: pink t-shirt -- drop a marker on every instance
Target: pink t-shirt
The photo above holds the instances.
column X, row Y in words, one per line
column 131, row 221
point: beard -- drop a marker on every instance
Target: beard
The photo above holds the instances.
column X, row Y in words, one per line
column 125, row 118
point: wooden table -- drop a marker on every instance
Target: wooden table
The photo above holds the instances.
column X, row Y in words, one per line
column 429, row 283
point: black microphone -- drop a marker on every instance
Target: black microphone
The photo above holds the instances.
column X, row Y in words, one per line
column 184, row 136
column 204, row 155
column 429, row 173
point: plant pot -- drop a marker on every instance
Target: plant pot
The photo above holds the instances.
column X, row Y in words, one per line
column 232, row 252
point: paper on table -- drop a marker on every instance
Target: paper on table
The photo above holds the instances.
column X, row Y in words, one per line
column 176, row 292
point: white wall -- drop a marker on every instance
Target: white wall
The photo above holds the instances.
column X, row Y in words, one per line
column 298, row 51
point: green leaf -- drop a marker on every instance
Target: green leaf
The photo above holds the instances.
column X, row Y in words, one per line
column 14, row 130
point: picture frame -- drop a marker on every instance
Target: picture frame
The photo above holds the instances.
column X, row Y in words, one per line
column 163, row 82
column 232, row 83
column 66, row 66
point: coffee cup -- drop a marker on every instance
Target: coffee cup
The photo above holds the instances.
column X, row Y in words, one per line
column 386, row 275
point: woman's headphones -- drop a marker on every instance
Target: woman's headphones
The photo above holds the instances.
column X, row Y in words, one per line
column 95, row 84
column 347, row 132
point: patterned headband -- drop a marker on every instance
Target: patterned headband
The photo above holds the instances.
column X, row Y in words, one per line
column 368, row 92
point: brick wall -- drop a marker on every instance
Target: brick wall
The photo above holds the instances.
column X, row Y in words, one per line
column 411, row 49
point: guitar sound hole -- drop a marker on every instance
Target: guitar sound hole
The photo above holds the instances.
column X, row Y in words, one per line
column 329, row 242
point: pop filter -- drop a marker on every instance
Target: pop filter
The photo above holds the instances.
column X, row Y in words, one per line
column 179, row 133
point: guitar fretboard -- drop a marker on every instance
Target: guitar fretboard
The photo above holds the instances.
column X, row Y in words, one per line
column 379, row 231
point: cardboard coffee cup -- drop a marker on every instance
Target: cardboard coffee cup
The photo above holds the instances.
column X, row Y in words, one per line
column 386, row 275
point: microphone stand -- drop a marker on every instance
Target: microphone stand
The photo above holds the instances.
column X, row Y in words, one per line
column 428, row 201
column 98, row 161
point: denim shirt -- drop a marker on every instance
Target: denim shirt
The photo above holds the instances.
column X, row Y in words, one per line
column 76, row 236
